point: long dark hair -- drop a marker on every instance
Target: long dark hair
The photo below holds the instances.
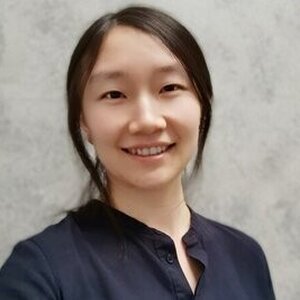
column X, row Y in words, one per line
column 176, row 38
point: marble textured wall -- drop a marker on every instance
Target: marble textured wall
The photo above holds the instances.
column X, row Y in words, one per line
column 252, row 159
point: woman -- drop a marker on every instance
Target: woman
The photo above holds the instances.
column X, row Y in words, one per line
column 139, row 96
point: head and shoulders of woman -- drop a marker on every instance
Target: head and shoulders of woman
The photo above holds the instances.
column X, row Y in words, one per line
column 139, row 92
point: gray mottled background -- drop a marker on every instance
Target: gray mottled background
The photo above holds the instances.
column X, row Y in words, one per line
column 251, row 170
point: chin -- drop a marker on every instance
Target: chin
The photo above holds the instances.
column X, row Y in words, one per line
column 157, row 181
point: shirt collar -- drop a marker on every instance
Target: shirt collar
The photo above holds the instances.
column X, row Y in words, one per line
column 94, row 214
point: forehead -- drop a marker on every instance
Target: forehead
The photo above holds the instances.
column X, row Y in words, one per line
column 127, row 48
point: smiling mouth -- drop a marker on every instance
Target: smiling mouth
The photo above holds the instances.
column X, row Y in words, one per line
column 148, row 151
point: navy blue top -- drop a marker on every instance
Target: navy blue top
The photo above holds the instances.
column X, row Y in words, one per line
column 81, row 258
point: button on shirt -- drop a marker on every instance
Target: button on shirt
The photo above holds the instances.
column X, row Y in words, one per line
column 81, row 257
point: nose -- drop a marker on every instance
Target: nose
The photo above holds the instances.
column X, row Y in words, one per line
column 147, row 117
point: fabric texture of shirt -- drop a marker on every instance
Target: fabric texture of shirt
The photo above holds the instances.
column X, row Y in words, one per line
column 81, row 258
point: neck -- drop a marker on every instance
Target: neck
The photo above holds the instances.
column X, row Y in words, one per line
column 163, row 209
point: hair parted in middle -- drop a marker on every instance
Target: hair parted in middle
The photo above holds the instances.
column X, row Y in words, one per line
column 174, row 36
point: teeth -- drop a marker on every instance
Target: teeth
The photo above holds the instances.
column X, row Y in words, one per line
column 147, row 151
column 153, row 150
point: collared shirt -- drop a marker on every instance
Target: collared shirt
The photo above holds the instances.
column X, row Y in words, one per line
column 81, row 258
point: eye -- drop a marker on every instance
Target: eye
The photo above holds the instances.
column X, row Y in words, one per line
column 113, row 95
column 171, row 88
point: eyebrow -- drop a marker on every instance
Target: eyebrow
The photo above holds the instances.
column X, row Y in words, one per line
column 116, row 74
column 169, row 69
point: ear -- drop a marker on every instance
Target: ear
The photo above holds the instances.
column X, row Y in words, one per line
column 84, row 128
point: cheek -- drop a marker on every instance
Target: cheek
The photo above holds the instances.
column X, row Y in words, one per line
column 188, row 115
column 101, row 124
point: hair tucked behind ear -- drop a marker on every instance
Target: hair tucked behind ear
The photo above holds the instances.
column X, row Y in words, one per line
column 175, row 37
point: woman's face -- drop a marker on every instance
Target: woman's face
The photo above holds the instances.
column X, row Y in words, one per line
column 140, row 111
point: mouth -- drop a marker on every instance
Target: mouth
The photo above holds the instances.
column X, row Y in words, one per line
column 149, row 151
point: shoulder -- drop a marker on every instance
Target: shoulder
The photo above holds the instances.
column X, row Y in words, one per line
column 43, row 265
column 39, row 266
column 237, row 252
column 54, row 240
column 231, row 244
column 226, row 235
column 67, row 234
column 29, row 270
column 56, row 235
